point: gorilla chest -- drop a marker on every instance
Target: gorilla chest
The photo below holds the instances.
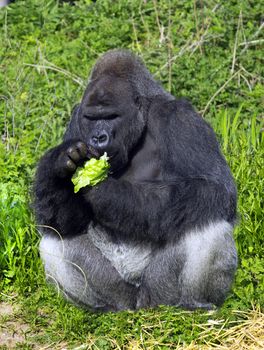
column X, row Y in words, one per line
column 145, row 163
column 128, row 258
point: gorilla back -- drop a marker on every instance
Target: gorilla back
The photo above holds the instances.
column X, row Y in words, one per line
column 158, row 230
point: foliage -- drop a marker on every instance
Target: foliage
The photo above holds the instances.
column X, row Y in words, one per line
column 209, row 52
column 93, row 172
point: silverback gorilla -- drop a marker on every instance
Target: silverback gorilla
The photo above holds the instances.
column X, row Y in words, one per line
column 158, row 230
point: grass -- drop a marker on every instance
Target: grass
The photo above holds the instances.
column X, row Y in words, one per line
column 208, row 52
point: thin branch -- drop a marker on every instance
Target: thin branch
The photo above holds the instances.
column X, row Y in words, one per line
column 73, row 77
column 246, row 81
column 180, row 53
column 256, row 77
column 254, row 36
column 219, row 90
column 193, row 46
column 239, row 23
column 196, row 22
column 252, row 42
column 169, row 46
column 161, row 28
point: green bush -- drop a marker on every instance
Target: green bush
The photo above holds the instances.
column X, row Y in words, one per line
column 209, row 52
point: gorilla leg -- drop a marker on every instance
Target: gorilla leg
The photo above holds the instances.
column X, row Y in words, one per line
column 84, row 275
column 195, row 272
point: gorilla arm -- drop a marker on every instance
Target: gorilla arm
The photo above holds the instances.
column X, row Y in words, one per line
column 158, row 211
column 56, row 205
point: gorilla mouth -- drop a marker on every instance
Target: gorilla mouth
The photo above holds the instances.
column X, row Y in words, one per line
column 114, row 160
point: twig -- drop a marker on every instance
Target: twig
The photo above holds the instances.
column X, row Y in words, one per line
column 74, row 77
column 246, row 81
column 252, row 42
column 144, row 23
column 254, row 36
column 161, row 28
column 135, row 33
column 196, row 22
column 219, row 90
column 239, row 22
column 193, row 47
column 180, row 53
column 169, row 46
column 41, row 134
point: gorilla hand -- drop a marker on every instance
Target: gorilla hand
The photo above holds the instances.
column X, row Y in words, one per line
column 71, row 213
column 72, row 156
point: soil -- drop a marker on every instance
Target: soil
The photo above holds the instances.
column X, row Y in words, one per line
column 12, row 330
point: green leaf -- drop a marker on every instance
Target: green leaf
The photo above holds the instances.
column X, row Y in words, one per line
column 93, row 172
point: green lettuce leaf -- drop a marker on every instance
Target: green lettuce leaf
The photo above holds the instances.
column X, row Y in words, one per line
column 93, row 172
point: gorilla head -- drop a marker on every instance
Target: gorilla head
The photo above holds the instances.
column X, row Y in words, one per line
column 158, row 230
column 112, row 115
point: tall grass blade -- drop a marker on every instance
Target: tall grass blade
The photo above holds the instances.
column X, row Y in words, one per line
column 235, row 123
column 225, row 125
column 253, row 131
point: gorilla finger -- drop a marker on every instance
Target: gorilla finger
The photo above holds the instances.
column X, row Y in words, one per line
column 82, row 149
column 93, row 153
column 73, row 154
column 70, row 165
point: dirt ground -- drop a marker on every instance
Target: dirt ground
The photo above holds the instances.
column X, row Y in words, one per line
column 15, row 333
column 12, row 330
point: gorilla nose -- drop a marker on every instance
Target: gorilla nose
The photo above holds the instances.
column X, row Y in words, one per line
column 101, row 140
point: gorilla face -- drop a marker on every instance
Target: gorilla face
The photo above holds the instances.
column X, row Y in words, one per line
column 109, row 120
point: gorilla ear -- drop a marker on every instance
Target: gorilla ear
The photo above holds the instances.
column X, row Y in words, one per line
column 72, row 130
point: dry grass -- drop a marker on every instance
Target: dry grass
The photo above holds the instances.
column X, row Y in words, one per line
column 245, row 334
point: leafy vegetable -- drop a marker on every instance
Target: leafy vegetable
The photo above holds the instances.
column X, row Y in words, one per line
column 93, row 172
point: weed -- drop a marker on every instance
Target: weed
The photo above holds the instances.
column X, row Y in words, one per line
column 212, row 54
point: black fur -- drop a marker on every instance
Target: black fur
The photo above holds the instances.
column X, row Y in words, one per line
column 168, row 178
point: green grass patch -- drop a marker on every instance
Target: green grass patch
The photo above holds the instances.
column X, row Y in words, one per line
column 210, row 53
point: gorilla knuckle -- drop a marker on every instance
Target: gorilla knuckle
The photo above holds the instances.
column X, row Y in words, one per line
column 70, row 165
column 82, row 148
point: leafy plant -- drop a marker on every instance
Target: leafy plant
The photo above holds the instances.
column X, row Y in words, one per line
column 211, row 53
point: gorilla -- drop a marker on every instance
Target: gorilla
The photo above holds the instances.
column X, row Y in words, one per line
column 158, row 230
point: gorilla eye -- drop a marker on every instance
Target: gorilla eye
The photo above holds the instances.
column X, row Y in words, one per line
column 112, row 116
column 100, row 117
column 89, row 117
